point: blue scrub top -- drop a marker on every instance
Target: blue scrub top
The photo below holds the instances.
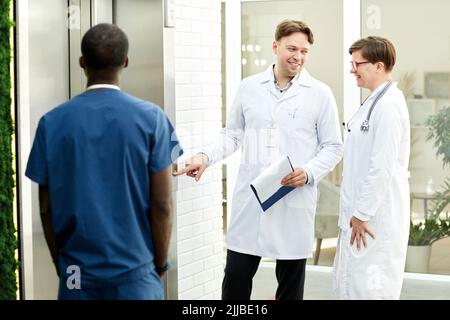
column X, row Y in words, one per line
column 96, row 153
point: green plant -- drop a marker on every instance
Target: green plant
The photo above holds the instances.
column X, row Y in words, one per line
column 8, row 243
column 435, row 228
column 428, row 232
column 439, row 129
column 442, row 199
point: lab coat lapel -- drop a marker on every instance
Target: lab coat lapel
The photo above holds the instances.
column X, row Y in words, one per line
column 293, row 91
column 267, row 81
column 270, row 87
column 303, row 80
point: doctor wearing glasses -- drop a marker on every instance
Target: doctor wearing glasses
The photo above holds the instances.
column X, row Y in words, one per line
column 374, row 203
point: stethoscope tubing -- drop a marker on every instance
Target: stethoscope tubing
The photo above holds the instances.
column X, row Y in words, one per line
column 365, row 124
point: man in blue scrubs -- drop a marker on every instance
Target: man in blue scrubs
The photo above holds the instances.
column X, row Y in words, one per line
column 103, row 164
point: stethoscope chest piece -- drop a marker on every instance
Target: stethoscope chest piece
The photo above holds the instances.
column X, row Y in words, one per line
column 365, row 126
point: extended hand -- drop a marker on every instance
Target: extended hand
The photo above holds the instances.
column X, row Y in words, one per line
column 359, row 230
column 195, row 166
column 295, row 179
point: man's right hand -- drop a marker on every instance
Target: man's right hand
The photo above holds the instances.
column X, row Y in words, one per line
column 195, row 166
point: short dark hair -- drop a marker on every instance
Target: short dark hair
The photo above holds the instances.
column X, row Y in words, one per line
column 104, row 46
column 376, row 49
column 287, row 27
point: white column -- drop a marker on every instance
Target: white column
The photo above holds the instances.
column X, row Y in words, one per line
column 352, row 32
column 233, row 31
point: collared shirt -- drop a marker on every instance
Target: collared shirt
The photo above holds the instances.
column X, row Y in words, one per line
column 96, row 153
column 280, row 90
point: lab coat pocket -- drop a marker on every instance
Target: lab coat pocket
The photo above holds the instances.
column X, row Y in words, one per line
column 363, row 250
column 373, row 245
column 295, row 119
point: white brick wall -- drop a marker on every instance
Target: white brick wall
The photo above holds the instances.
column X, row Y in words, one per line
column 198, row 117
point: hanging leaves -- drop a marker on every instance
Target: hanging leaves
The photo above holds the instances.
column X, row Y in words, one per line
column 8, row 242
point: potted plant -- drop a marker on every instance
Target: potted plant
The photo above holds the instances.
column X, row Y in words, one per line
column 423, row 234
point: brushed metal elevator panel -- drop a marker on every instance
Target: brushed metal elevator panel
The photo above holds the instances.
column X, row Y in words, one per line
column 142, row 21
column 48, row 87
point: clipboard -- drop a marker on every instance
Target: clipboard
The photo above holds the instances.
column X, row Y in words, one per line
column 267, row 186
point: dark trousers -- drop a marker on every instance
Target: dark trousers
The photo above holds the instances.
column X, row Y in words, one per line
column 241, row 268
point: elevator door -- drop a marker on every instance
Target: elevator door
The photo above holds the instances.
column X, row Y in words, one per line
column 142, row 21
column 55, row 32
column 48, row 72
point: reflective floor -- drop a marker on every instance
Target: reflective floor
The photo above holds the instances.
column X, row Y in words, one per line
column 45, row 279
column 439, row 259
column 317, row 285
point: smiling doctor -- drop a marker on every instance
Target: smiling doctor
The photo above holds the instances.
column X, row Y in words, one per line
column 281, row 111
column 374, row 204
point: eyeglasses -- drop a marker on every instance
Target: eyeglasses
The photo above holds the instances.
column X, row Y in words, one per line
column 354, row 64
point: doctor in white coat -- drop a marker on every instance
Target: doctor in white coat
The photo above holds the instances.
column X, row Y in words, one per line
column 374, row 204
column 281, row 111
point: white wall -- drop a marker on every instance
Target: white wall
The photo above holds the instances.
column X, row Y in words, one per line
column 198, row 118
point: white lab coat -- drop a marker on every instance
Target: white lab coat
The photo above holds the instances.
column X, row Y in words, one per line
column 375, row 188
column 306, row 121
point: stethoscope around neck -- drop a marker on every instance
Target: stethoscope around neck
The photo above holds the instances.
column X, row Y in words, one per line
column 365, row 124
